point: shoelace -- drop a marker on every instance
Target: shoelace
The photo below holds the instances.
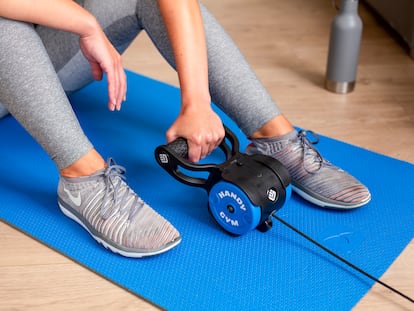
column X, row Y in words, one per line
column 115, row 180
column 310, row 150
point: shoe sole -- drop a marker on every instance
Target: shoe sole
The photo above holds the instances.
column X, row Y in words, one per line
column 313, row 199
column 131, row 253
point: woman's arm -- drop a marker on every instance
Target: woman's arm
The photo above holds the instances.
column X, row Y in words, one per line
column 60, row 14
column 69, row 16
column 197, row 122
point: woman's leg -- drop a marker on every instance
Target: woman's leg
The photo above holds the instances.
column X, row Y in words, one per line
column 101, row 202
column 73, row 70
column 32, row 92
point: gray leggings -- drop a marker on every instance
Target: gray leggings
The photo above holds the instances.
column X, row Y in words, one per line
column 38, row 65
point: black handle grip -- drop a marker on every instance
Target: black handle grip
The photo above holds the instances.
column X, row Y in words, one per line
column 180, row 147
column 175, row 154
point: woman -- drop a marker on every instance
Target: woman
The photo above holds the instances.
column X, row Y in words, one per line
column 50, row 48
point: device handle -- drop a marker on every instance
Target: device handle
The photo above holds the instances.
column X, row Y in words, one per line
column 175, row 154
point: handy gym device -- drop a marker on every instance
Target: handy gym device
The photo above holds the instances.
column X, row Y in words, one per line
column 244, row 192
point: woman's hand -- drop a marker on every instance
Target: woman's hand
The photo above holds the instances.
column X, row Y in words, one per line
column 103, row 58
column 201, row 127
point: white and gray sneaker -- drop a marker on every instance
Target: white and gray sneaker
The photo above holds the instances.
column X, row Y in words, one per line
column 114, row 214
column 313, row 177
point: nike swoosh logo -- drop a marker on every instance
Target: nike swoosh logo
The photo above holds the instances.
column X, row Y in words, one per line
column 77, row 200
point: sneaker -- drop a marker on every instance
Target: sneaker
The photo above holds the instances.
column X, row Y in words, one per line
column 114, row 215
column 313, row 177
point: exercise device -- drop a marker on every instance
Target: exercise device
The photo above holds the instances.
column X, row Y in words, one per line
column 245, row 191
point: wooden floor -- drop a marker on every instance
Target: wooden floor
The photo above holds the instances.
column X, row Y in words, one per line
column 286, row 44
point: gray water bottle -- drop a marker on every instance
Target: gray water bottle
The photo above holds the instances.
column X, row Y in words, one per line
column 344, row 46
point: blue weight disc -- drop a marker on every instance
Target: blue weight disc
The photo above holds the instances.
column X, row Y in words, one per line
column 232, row 209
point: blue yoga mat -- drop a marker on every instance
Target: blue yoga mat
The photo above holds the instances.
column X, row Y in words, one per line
column 210, row 270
